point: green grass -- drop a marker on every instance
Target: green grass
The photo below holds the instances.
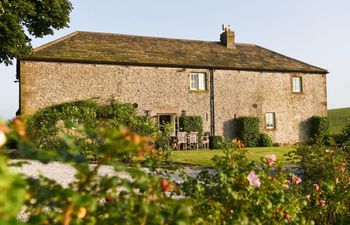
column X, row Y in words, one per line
column 339, row 119
column 203, row 157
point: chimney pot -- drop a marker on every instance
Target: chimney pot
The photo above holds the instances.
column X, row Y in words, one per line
column 227, row 38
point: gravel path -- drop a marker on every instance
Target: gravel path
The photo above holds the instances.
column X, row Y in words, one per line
column 64, row 174
column 60, row 172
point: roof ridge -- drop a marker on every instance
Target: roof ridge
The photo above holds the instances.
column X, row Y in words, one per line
column 154, row 37
column 142, row 36
column 290, row 58
column 55, row 41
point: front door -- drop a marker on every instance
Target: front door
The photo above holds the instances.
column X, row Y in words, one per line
column 164, row 119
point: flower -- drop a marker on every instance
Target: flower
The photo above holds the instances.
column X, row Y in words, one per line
column 270, row 159
column 337, row 180
column 2, row 138
column 296, row 180
column 81, row 213
column 322, row 203
column 308, row 197
column 316, row 186
column 253, row 179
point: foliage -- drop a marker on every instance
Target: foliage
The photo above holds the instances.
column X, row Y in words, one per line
column 46, row 126
column 346, row 134
column 327, row 183
column 264, row 140
column 39, row 18
column 339, row 119
column 239, row 192
column 215, row 142
column 138, row 198
column 248, row 130
column 191, row 124
column 320, row 129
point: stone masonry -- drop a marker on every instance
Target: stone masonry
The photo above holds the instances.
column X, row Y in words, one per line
column 166, row 90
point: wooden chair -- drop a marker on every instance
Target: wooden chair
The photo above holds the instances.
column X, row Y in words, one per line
column 181, row 139
column 205, row 140
column 193, row 139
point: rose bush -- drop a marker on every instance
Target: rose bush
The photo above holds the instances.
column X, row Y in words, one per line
column 140, row 198
column 241, row 192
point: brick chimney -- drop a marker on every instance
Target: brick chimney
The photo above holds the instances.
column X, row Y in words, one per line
column 227, row 38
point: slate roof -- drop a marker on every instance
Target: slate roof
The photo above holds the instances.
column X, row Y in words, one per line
column 120, row 49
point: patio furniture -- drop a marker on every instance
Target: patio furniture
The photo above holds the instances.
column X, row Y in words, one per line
column 181, row 139
column 205, row 140
column 193, row 140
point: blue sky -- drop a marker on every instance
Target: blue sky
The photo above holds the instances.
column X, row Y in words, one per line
column 317, row 32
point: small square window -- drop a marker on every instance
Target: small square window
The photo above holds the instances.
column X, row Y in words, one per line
column 297, row 84
column 270, row 120
column 197, row 81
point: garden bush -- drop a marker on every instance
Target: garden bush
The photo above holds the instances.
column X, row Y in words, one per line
column 237, row 192
column 320, row 129
column 191, row 124
column 248, row 130
column 326, row 171
column 241, row 192
column 346, row 134
column 215, row 142
column 265, row 140
column 140, row 198
column 46, row 127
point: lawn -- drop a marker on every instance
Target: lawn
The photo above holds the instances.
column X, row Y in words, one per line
column 203, row 157
column 339, row 119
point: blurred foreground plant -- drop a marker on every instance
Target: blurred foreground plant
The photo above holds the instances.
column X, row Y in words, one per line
column 131, row 196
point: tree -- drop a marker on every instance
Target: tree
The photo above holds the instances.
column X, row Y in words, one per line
column 21, row 18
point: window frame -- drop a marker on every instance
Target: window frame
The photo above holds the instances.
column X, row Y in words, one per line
column 273, row 121
column 198, row 82
column 300, row 79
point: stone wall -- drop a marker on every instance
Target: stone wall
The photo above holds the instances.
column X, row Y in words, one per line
column 161, row 90
column 166, row 90
column 236, row 92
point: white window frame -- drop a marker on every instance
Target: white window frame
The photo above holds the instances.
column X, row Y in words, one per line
column 297, row 84
column 270, row 120
column 198, row 81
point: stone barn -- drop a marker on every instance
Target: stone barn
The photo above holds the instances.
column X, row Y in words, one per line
column 166, row 78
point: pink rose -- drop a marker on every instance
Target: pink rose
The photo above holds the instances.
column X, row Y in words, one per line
column 270, row 159
column 253, row 179
column 322, row 203
column 316, row 186
column 296, row 180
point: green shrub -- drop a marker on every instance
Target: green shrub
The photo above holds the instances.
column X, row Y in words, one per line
column 241, row 192
column 138, row 198
column 191, row 124
column 326, row 171
column 265, row 140
column 215, row 142
column 320, row 128
column 46, row 127
column 248, row 130
column 346, row 134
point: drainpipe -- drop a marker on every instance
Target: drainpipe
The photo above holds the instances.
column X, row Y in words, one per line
column 212, row 105
column 18, row 80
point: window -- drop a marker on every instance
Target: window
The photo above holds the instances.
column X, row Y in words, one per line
column 270, row 120
column 197, row 81
column 297, row 84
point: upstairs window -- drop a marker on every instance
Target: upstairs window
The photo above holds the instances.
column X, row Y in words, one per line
column 197, row 81
column 297, row 84
column 270, row 120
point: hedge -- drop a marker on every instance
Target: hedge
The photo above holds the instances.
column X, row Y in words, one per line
column 46, row 126
column 248, row 130
column 191, row 124
column 320, row 128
